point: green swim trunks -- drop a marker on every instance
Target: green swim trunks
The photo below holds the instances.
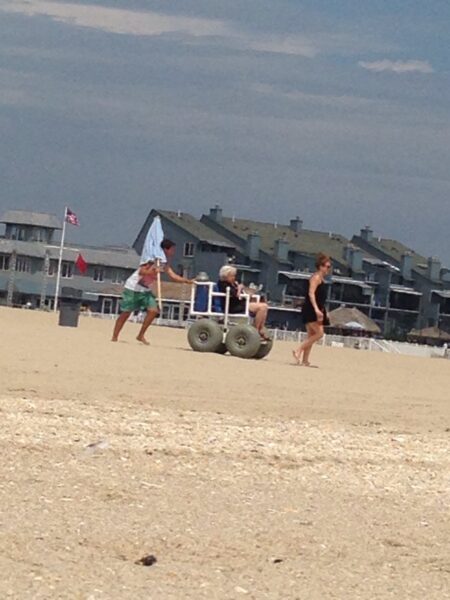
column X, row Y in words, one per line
column 132, row 301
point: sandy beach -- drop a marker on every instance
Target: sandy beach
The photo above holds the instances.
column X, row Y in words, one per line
column 246, row 479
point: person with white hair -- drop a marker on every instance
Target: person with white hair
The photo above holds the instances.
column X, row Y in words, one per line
column 259, row 310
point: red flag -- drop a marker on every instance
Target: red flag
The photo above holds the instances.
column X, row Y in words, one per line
column 81, row 264
column 72, row 218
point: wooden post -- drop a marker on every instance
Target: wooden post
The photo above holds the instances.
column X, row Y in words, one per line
column 45, row 279
column 158, row 287
column 12, row 277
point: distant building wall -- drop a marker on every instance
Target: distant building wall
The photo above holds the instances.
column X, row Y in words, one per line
column 428, row 315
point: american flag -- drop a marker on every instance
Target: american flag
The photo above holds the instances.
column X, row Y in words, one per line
column 72, row 218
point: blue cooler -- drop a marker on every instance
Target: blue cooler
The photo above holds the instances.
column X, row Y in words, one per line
column 201, row 297
column 201, row 292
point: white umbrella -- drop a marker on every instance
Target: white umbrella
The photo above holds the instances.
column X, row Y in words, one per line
column 354, row 325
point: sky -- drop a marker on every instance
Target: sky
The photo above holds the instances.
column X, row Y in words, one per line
column 334, row 110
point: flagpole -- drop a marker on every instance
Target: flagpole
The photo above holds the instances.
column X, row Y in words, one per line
column 61, row 250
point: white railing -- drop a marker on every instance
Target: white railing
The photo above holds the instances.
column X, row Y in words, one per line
column 95, row 315
column 336, row 341
column 361, row 343
column 386, row 346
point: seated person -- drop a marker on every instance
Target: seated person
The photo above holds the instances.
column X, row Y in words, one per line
column 227, row 279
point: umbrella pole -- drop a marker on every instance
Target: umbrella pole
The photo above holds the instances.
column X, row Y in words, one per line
column 158, row 286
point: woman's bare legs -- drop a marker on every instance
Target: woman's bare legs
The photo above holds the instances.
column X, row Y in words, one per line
column 314, row 338
column 315, row 333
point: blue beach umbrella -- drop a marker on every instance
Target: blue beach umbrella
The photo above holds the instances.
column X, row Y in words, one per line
column 153, row 252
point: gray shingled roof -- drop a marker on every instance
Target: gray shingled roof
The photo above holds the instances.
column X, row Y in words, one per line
column 124, row 258
column 24, row 217
column 396, row 250
column 196, row 228
column 306, row 241
column 34, row 249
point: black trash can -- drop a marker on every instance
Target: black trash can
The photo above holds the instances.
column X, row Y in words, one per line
column 69, row 307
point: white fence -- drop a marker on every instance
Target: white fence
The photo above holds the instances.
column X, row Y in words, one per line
column 138, row 319
column 361, row 343
column 335, row 341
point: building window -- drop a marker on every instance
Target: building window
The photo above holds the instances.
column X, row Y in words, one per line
column 4, row 262
column 189, row 250
column 117, row 276
column 67, row 270
column 52, row 268
column 39, row 235
column 23, row 264
column 98, row 274
column 18, row 233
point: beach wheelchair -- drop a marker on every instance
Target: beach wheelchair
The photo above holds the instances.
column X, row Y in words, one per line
column 217, row 330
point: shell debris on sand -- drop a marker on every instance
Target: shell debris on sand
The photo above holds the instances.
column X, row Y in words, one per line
column 346, row 483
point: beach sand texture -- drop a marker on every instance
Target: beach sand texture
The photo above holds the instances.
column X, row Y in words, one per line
column 246, row 479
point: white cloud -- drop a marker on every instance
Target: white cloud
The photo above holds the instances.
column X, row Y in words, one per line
column 295, row 45
column 115, row 20
column 343, row 101
column 398, row 66
column 149, row 23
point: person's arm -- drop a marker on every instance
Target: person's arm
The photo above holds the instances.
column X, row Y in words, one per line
column 171, row 273
column 148, row 269
column 313, row 285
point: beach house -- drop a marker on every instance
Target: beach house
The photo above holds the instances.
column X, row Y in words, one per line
column 29, row 253
column 413, row 290
column 279, row 259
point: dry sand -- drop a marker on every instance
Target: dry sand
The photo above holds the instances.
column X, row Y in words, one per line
column 246, row 479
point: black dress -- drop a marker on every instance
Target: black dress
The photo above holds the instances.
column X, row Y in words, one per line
column 308, row 312
column 237, row 306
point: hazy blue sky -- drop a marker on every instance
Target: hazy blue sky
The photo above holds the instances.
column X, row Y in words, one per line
column 337, row 111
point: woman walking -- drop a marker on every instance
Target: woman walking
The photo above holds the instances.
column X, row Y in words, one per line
column 314, row 311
